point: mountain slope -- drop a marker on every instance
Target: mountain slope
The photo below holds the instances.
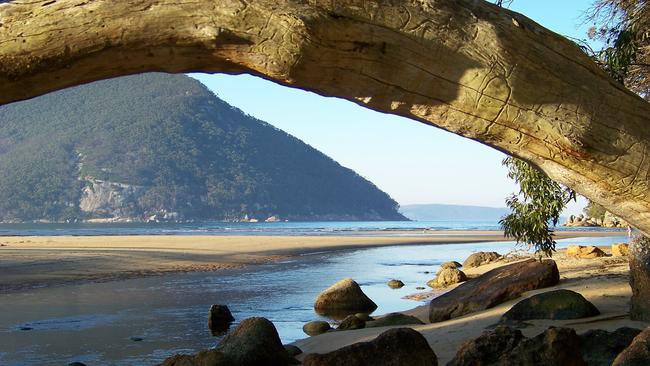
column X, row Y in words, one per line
column 430, row 212
column 159, row 144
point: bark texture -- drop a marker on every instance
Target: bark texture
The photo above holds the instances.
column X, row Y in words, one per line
column 464, row 65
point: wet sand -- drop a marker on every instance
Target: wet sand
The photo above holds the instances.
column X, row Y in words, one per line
column 603, row 281
column 27, row 262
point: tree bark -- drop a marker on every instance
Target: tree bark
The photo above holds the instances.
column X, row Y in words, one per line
column 466, row 66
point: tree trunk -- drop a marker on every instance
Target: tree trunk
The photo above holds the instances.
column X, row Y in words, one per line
column 466, row 66
column 640, row 278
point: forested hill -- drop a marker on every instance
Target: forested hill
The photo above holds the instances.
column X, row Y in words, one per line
column 164, row 147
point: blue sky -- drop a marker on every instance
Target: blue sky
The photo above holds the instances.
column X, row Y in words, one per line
column 412, row 162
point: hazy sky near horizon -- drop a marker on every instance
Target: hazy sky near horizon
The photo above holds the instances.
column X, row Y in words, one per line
column 412, row 162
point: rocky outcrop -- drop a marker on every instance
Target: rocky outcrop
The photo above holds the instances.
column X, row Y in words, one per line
column 584, row 252
column 505, row 346
column 608, row 220
column 219, row 319
column 394, row 284
column 109, row 199
column 394, row 319
column 450, row 264
column 254, row 342
column 351, row 322
column 637, row 353
column 344, row 297
column 556, row 305
column 620, row 250
column 447, row 277
column 401, row 346
column 316, row 327
column 640, row 278
column 494, row 287
column 480, row 258
column 600, row 347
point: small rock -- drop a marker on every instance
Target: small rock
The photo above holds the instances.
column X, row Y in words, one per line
column 399, row 346
column 26, row 328
column 556, row 305
column 136, row 339
column 600, row 347
column 447, row 277
column 76, row 363
column 219, row 319
column 480, row 258
column 364, row 316
column 394, row 319
column 395, row 284
column 351, row 322
column 620, row 250
column 637, row 353
column 584, row 252
column 420, row 288
column 292, row 350
column 343, row 297
column 451, row 265
column 316, row 327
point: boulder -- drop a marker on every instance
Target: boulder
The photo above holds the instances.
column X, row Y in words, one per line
column 556, row 305
column 584, row 252
column 637, row 353
column 364, row 316
column 480, row 258
column 394, row 319
column 620, row 250
column 351, row 322
column 203, row 358
column 219, row 319
column 394, row 347
column 505, row 346
column 343, row 297
column 494, row 287
column 451, row 264
column 254, row 342
column 448, row 277
column 395, row 284
column 316, row 327
column 639, row 259
column 600, row 347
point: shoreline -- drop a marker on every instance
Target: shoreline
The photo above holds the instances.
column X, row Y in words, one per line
column 52, row 261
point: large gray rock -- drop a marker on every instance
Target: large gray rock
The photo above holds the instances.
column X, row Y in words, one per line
column 600, row 347
column 395, row 347
column 344, row 297
column 254, row 342
column 494, row 287
column 557, row 305
column 637, row 353
column 480, row 258
column 504, row 346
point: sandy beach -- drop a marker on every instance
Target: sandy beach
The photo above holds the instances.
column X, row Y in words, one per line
column 37, row 261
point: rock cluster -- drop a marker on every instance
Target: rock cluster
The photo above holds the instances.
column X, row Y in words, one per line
column 494, row 287
column 608, row 220
column 584, row 252
column 620, row 250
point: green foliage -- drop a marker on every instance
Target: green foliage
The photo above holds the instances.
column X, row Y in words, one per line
column 595, row 210
column 540, row 201
column 191, row 152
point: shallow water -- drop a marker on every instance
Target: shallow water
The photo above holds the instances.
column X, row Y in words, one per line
column 96, row 323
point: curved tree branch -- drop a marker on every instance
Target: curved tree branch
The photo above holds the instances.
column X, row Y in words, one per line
column 467, row 66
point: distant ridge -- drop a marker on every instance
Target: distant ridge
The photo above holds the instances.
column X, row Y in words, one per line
column 435, row 211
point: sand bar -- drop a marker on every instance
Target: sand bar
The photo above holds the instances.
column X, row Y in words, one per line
column 30, row 261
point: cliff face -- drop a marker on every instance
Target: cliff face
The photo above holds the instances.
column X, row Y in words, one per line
column 162, row 147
